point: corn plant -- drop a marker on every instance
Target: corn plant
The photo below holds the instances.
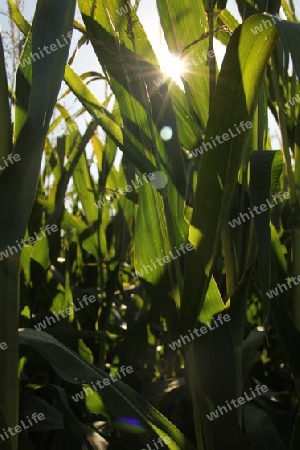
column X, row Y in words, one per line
column 208, row 148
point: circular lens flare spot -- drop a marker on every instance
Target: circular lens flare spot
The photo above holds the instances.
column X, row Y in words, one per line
column 166, row 133
column 160, row 181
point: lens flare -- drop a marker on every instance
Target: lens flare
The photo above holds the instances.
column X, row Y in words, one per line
column 130, row 424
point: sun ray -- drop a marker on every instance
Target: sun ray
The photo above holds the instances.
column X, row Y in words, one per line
column 172, row 66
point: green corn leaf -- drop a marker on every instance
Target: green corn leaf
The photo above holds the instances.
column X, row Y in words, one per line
column 237, row 90
column 30, row 134
column 84, row 95
column 265, row 167
column 120, row 400
column 185, row 26
column 5, row 122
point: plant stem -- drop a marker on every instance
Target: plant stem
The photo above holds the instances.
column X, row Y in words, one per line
column 9, row 358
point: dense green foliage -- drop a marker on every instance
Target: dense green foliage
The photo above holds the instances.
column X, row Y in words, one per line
column 142, row 252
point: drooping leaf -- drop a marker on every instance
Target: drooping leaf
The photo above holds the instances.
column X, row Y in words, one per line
column 120, row 400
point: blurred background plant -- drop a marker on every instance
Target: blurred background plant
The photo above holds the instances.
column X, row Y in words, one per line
column 12, row 38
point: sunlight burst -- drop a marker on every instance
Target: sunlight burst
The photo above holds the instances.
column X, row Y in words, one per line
column 172, row 66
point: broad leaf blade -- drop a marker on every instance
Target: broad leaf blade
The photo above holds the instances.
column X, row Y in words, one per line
column 5, row 122
column 120, row 399
column 237, row 90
